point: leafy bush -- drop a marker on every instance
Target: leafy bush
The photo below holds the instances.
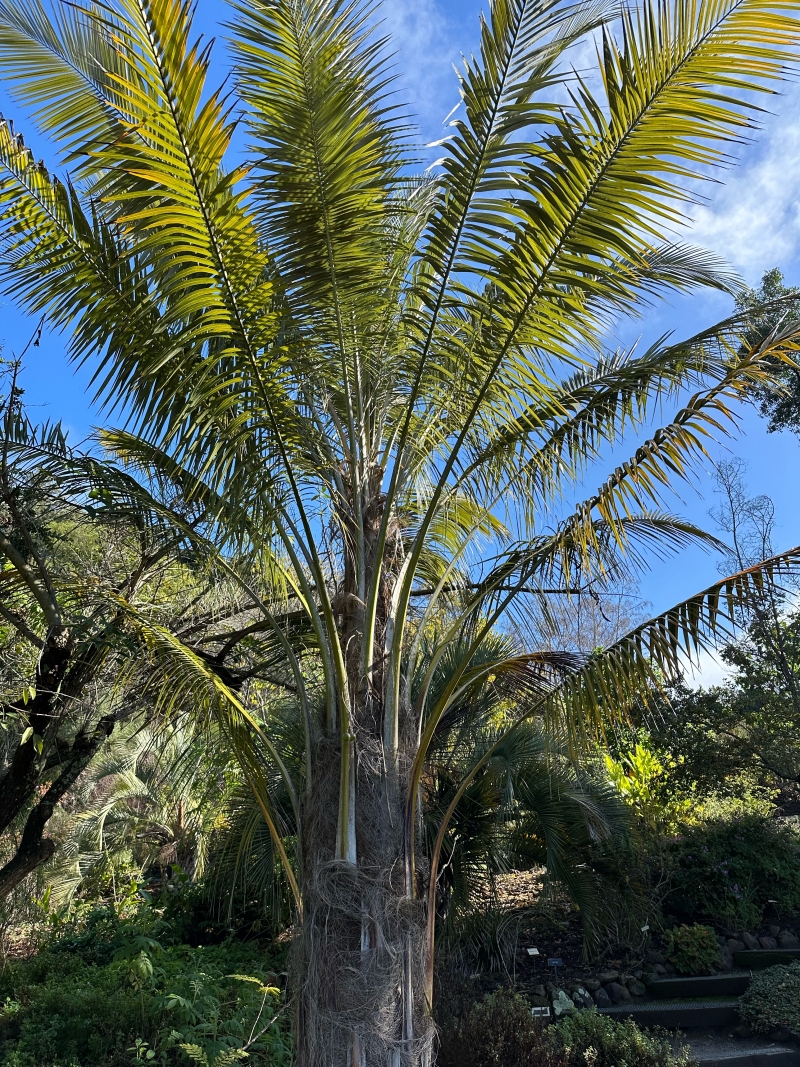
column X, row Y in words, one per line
column 592, row 1040
column 643, row 780
column 725, row 873
column 484, row 939
column 773, row 999
column 499, row 1031
column 693, row 949
column 107, row 997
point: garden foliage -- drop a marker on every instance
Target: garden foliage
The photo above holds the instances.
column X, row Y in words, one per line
column 499, row 1031
column 728, row 873
column 109, row 992
column 773, row 999
column 693, row 950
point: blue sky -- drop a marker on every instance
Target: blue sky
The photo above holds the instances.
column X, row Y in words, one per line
column 753, row 219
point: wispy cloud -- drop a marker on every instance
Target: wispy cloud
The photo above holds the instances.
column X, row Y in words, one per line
column 709, row 670
column 753, row 220
column 427, row 44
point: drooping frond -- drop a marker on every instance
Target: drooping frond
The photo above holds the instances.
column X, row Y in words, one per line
column 658, row 651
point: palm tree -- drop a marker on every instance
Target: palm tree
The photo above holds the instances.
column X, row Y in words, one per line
column 381, row 385
column 149, row 800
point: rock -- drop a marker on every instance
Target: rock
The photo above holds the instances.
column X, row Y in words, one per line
column 735, row 945
column 768, row 942
column 774, row 931
column 539, row 990
column 618, row 993
column 592, row 985
column 671, row 968
column 725, row 959
column 660, row 969
column 639, row 974
column 636, row 988
column 750, row 941
column 608, row 976
column 654, row 956
column 539, row 1002
column 786, row 939
column 562, row 1005
column 650, row 978
column 581, row 998
column 601, row 998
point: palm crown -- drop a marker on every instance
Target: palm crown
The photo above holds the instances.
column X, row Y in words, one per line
column 377, row 386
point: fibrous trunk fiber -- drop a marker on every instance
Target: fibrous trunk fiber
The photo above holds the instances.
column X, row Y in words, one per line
column 360, row 960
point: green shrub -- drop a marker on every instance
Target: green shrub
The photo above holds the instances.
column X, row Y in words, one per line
column 693, row 949
column 148, row 1002
column 773, row 999
column 499, row 1031
column 592, row 1040
column 726, row 873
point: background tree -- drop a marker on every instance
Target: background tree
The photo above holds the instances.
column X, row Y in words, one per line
column 378, row 388
column 742, row 734
column 60, row 642
column 87, row 555
column 772, row 306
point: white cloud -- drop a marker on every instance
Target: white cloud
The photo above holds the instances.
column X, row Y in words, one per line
column 709, row 670
column 426, row 45
column 753, row 220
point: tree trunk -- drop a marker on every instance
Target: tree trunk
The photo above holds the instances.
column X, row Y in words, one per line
column 361, row 953
column 34, row 848
column 19, row 779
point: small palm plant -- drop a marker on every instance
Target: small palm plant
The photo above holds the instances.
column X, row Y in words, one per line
column 379, row 386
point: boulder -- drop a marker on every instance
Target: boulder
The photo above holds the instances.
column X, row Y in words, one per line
column 601, row 998
column 725, row 959
column 750, row 941
column 562, row 1004
column 539, row 1002
column 608, row 976
column 539, row 990
column 735, row 945
column 774, row 931
column 636, row 988
column 786, row 939
column 768, row 942
column 660, row 969
column 618, row 993
column 581, row 998
column 592, row 984
column 654, row 956
column 671, row 968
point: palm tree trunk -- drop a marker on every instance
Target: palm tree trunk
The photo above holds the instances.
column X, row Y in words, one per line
column 361, row 957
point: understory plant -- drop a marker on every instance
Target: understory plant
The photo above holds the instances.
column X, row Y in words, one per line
column 772, row 999
column 149, row 1003
column 727, row 873
column 693, row 950
column 499, row 1031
